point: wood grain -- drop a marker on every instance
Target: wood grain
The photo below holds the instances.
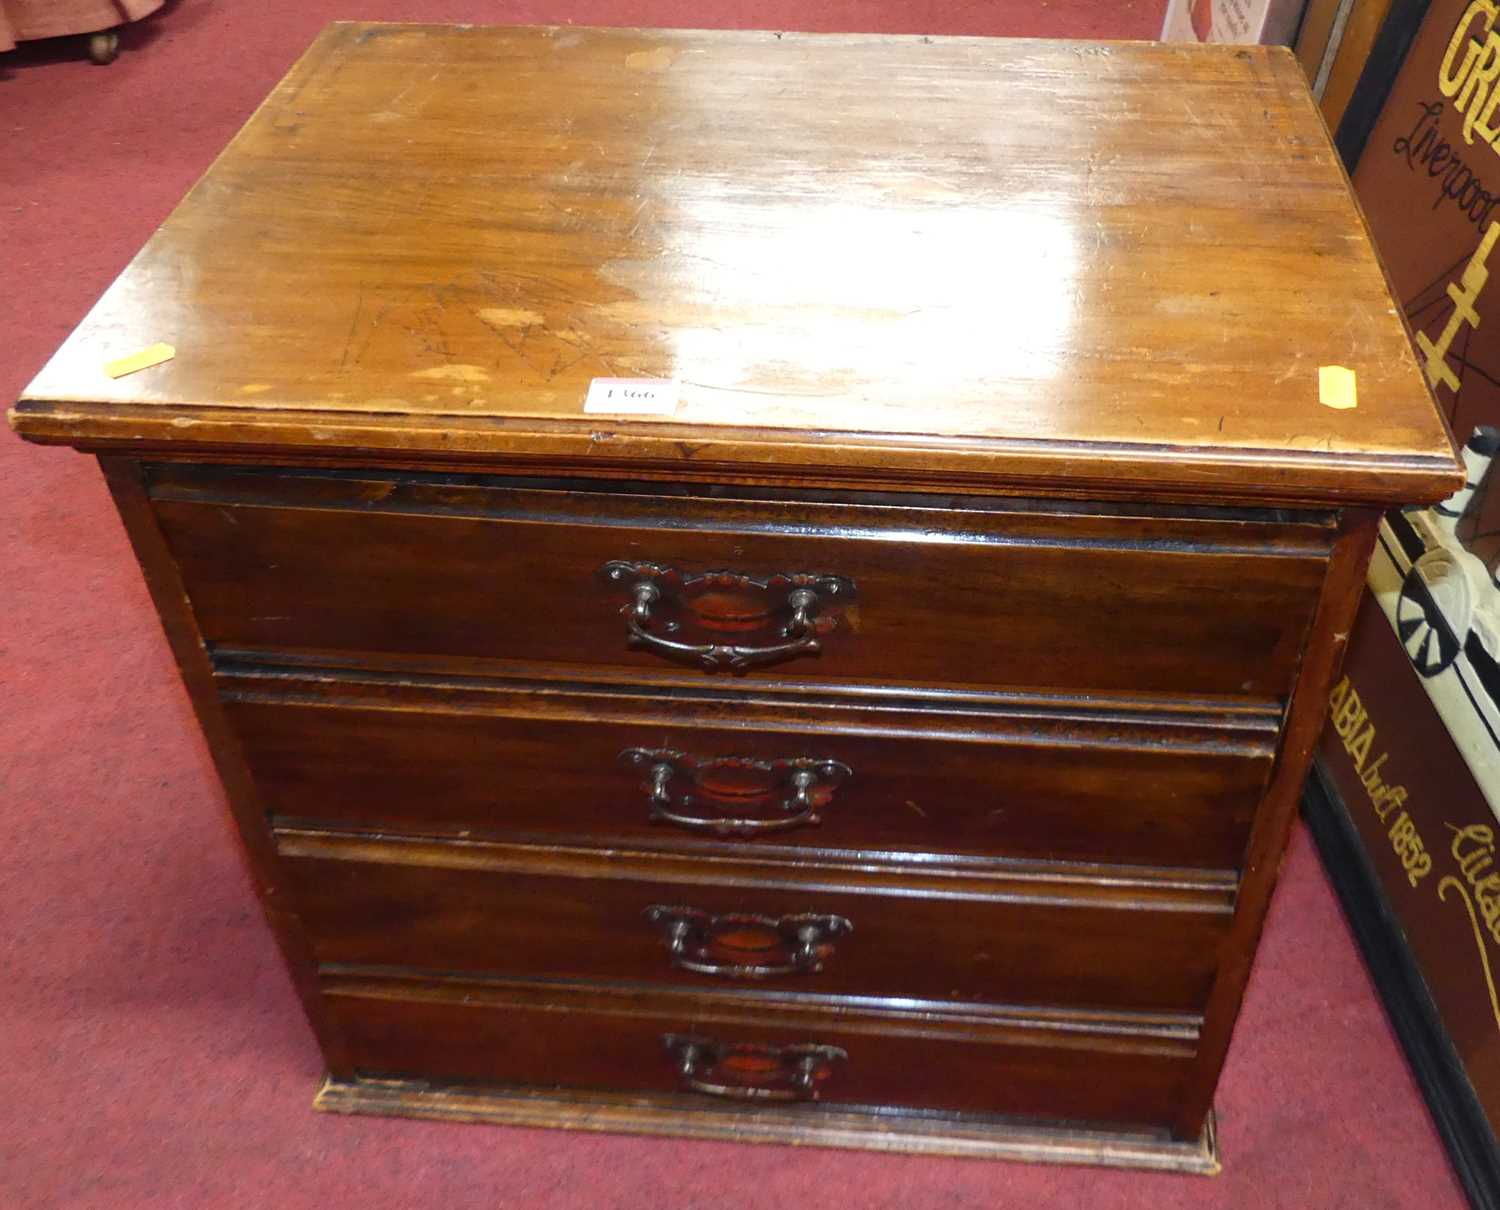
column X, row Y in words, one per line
column 573, row 1036
column 910, row 1132
column 942, row 597
column 528, row 911
column 847, row 235
column 1305, row 717
column 1018, row 340
column 1062, row 783
column 247, row 816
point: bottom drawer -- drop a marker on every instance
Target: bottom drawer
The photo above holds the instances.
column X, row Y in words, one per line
column 746, row 1049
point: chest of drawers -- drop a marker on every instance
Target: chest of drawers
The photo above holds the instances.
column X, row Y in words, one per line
column 889, row 743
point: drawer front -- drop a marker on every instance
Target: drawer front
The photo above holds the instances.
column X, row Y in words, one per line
column 718, row 1050
column 1066, row 599
column 529, row 761
column 818, row 929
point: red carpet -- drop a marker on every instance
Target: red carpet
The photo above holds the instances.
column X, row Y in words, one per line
column 151, row 1053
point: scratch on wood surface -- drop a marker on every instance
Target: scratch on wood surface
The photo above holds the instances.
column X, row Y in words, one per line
column 359, row 306
column 397, row 99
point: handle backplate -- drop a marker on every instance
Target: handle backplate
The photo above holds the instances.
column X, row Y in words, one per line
column 739, row 945
column 736, row 795
column 722, row 620
column 748, row 1071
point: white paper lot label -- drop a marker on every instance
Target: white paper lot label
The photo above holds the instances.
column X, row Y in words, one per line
column 632, row 396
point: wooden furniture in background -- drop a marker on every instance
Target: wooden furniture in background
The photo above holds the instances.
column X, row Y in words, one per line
column 1339, row 44
column 893, row 744
column 28, row 20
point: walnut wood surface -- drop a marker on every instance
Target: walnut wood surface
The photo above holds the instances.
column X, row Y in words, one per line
column 980, row 938
column 1019, row 339
column 562, row 1036
column 894, row 1130
column 540, row 761
column 1066, row 600
column 1089, row 265
column 1305, row 717
column 246, row 813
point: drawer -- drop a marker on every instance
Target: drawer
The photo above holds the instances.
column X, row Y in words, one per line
column 754, row 1051
column 1029, row 935
column 1007, row 594
column 546, row 762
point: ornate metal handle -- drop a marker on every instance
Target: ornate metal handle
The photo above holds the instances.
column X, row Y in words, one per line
column 723, row 601
column 746, row 1071
column 808, row 782
column 727, row 945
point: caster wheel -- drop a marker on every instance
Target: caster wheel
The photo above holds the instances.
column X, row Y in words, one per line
column 104, row 46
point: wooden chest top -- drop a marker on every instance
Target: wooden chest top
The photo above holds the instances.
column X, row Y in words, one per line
column 1068, row 267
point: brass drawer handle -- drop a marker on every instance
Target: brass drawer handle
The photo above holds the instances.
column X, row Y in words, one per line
column 794, row 607
column 677, row 783
column 745, row 1071
column 728, row 945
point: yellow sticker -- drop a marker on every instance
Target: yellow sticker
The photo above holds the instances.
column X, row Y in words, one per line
column 154, row 355
column 1336, row 387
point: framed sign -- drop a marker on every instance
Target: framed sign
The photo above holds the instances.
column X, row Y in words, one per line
column 1406, row 804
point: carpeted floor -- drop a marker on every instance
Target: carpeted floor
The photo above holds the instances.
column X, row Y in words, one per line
column 151, row 1053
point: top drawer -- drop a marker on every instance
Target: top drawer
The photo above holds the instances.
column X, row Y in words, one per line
column 973, row 593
